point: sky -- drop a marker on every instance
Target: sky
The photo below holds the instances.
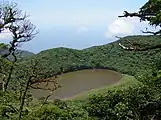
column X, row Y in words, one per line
column 78, row 23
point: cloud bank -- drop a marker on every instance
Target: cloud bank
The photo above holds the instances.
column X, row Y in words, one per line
column 120, row 27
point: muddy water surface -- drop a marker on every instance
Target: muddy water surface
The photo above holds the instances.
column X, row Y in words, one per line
column 77, row 82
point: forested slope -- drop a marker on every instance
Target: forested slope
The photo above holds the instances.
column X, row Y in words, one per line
column 19, row 53
column 118, row 102
column 110, row 56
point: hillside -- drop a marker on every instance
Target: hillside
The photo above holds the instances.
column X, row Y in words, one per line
column 118, row 101
column 110, row 56
column 19, row 53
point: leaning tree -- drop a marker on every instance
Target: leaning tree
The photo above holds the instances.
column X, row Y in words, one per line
column 27, row 75
column 16, row 22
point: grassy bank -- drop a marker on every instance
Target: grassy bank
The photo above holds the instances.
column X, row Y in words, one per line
column 125, row 81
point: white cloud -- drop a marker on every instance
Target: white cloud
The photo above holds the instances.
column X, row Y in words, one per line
column 5, row 35
column 120, row 27
column 82, row 29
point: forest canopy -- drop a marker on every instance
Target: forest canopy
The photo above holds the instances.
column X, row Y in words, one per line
column 135, row 97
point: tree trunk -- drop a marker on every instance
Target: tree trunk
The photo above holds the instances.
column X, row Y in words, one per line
column 3, row 85
column 8, row 79
column 23, row 97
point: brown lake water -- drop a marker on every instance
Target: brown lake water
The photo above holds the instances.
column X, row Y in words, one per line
column 74, row 83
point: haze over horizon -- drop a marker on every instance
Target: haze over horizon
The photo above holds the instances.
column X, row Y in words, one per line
column 78, row 24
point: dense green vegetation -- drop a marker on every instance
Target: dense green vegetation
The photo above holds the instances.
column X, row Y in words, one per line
column 120, row 101
column 136, row 97
column 19, row 53
column 110, row 56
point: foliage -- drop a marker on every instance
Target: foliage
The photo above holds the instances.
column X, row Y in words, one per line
column 110, row 56
column 20, row 54
column 62, row 110
column 150, row 12
column 13, row 20
column 119, row 103
column 131, row 100
column 116, row 103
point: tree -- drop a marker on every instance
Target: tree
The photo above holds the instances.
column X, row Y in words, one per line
column 31, row 76
column 151, row 13
column 14, row 21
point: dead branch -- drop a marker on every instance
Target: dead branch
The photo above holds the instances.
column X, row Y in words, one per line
column 127, row 14
column 150, row 32
column 42, row 81
column 41, row 88
column 145, row 16
column 118, row 37
column 48, row 96
column 139, row 49
column 22, row 32
column 13, row 20
column 9, row 13
column 31, row 76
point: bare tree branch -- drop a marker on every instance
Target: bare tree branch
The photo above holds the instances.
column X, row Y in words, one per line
column 150, row 32
column 50, row 94
column 9, row 13
column 41, row 88
column 145, row 16
column 38, row 81
column 22, row 32
column 12, row 19
column 139, row 49
column 30, row 77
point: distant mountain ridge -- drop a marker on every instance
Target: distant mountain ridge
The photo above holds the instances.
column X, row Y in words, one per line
column 19, row 53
